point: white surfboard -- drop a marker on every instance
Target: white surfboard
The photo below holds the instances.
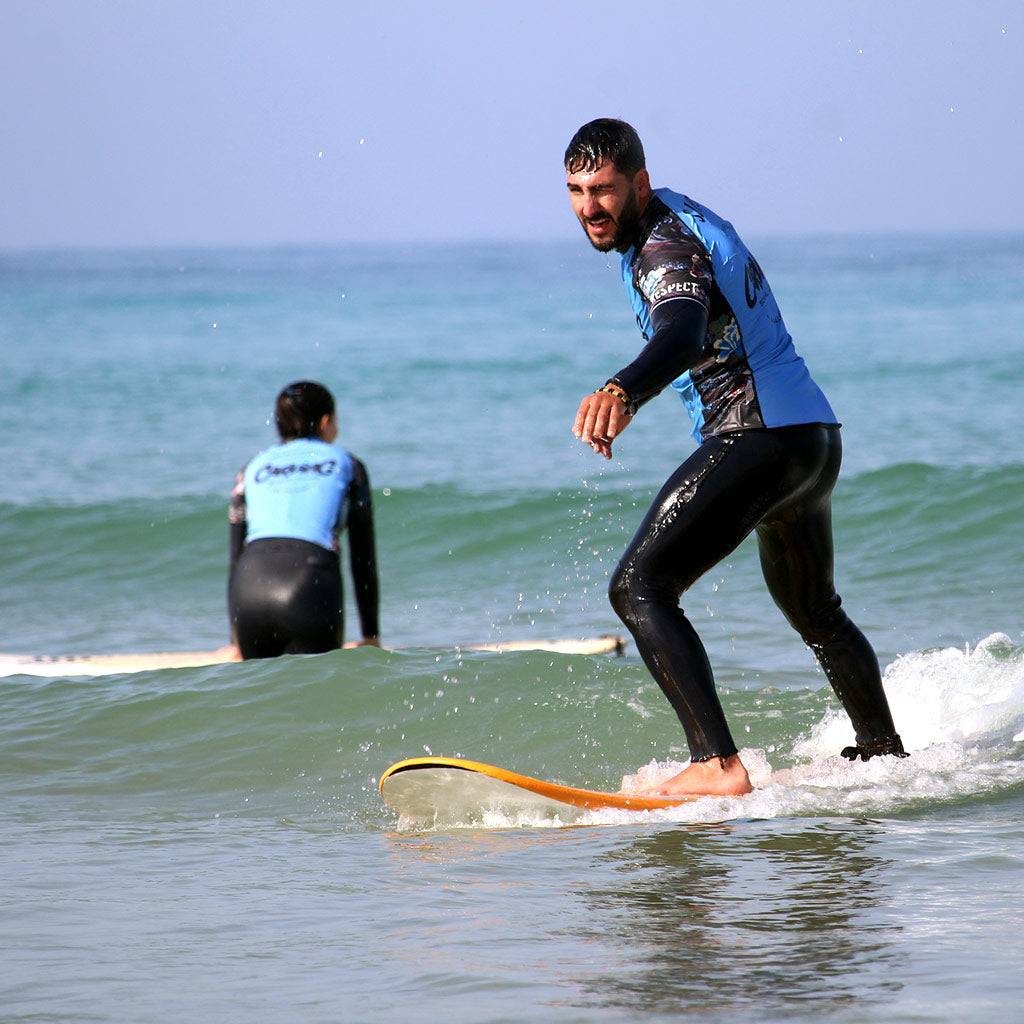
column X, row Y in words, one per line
column 108, row 664
column 114, row 664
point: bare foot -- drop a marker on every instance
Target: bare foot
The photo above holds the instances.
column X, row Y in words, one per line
column 705, row 778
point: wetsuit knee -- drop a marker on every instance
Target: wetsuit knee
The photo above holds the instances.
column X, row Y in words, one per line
column 819, row 624
column 619, row 594
column 633, row 588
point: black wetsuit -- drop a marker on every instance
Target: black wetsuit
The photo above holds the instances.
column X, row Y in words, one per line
column 769, row 456
column 285, row 592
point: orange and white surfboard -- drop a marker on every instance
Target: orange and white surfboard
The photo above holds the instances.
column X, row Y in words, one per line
column 436, row 789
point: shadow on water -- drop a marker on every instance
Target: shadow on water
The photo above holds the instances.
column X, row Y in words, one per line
column 765, row 921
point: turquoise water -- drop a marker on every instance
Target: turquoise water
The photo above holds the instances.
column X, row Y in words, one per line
column 209, row 844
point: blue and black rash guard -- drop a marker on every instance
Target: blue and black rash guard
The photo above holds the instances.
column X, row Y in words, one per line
column 712, row 326
column 309, row 490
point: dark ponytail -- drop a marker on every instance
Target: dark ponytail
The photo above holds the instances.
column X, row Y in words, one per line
column 299, row 409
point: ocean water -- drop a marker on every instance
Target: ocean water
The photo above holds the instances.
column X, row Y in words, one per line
column 209, row 844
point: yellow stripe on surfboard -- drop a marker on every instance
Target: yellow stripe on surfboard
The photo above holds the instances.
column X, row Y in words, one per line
column 587, row 799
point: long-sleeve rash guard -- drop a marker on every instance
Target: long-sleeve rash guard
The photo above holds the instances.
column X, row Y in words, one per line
column 713, row 327
column 309, row 490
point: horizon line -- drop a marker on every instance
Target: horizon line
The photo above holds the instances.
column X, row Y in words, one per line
column 42, row 248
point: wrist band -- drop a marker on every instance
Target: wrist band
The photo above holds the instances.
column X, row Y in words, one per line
column 612, row 389
column 616, row 392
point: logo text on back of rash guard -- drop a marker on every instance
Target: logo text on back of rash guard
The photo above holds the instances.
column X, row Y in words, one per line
column 269, row 470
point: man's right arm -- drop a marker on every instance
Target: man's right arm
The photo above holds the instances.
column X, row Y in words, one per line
column 674, row 276
column 679, row 325
column 363, row 553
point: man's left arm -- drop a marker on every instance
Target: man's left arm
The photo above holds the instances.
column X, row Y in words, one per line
column 237, row 527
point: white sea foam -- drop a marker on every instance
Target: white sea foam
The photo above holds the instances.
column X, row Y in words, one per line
column 971, row 698
column 960, row 713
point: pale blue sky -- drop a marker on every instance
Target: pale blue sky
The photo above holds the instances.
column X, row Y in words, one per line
column 207, row 122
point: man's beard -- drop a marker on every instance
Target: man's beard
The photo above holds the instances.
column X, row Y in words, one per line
column 628, row 227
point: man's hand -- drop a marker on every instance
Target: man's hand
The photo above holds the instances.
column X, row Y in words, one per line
column 600, row 419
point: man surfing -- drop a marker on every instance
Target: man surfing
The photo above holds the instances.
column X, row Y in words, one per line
column 768, row 456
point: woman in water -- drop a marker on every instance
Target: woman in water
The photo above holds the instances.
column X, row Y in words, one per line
column 289, row 507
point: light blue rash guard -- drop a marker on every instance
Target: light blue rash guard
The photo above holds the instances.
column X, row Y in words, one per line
column 297, row 489
column 748, row 375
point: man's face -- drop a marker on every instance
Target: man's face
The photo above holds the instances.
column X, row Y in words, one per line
column 608, row 204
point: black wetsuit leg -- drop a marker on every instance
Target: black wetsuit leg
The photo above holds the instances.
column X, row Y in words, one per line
column 795, row 545
column 780, row 482
column 285, row 598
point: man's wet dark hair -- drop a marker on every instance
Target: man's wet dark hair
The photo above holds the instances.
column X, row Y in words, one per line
column 605, row 139
column 299, row 409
